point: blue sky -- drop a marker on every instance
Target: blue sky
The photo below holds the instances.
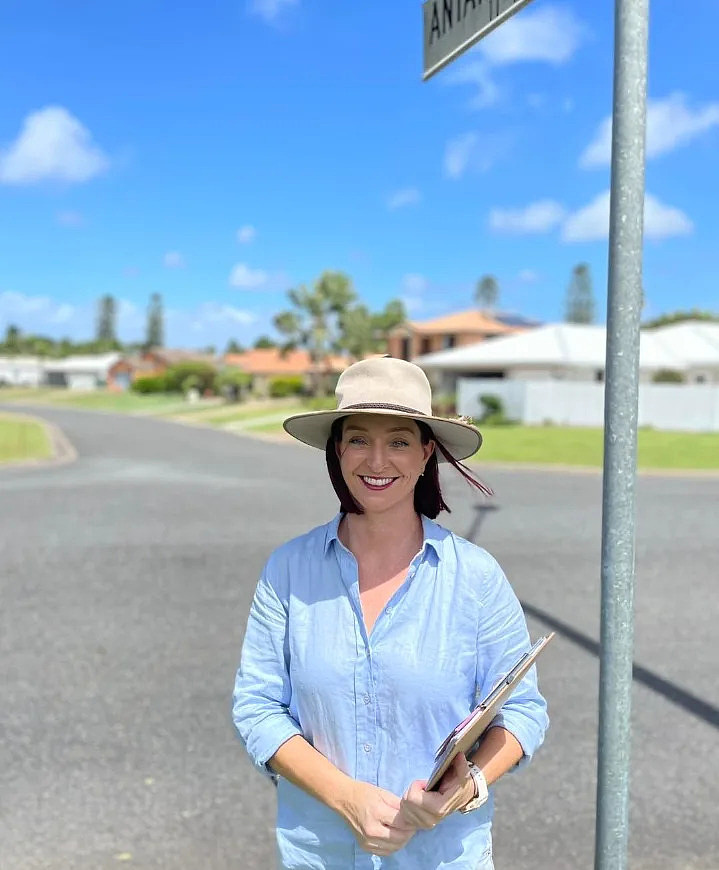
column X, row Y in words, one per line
column 221, row 153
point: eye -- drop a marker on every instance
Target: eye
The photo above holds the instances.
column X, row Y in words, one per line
column 356, row 440
column 400, row 442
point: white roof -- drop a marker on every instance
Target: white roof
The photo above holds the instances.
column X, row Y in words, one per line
column 556, row 344
column 695, row 342
column 33, row 361
column 91, row 363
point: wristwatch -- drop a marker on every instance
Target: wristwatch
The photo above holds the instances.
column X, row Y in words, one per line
column 481, row 793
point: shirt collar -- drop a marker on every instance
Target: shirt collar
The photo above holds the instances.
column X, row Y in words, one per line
column 434, row 534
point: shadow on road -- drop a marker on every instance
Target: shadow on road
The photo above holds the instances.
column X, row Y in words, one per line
column 698, row 707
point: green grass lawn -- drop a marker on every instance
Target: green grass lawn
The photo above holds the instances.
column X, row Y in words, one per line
column 100, row 400
column 22, row 439
column 556, row 445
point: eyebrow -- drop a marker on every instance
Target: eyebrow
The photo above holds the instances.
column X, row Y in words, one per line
column 355, row 428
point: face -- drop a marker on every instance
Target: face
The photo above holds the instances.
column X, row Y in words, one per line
column 381, row 458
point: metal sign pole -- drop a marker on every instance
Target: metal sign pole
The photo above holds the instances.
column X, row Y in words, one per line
column 626, row 226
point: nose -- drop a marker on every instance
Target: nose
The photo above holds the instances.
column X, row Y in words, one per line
column 377, row 458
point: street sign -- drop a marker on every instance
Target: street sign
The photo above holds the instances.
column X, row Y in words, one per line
column 453, row 26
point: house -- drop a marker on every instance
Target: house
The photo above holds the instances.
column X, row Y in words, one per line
column 80, row 372
column 696, row 344
column 267, row 363
column 21, row 371
column 149, row 363
column 561, row 351
column 555, row 373
column 416, row 338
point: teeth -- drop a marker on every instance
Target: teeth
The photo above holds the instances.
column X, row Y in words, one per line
column 378, row 481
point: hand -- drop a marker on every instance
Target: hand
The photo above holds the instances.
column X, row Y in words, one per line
column 425, row 809
column 374, row 817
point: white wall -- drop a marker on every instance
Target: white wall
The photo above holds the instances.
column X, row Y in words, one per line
column 20, row 372
column 680, row 407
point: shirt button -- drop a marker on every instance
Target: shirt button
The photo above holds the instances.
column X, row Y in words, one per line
column 388, row 611
column 367, row 698
column 367, row 747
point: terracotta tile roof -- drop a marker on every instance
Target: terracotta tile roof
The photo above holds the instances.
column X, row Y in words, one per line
column 171, row 356
column 471, row 320
column 271, row 361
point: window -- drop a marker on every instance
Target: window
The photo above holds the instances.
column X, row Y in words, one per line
column 425, row 346
column 405, row 348
column 449, row 341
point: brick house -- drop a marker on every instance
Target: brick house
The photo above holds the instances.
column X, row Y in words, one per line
column 417, row 338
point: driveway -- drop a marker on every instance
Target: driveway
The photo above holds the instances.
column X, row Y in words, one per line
column 125, row 579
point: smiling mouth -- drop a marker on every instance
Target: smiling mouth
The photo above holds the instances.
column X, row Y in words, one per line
column 377, row 483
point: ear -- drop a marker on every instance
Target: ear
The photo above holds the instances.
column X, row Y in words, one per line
column 429, row 449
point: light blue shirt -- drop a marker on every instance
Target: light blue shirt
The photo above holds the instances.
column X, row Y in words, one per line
column 379, row 706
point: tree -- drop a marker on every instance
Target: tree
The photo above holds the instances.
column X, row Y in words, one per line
column 680, row 317
column 313, row 322
column 234, row 347
column 487, row 292
column 155, row 322
column 364, row 332
column 106, row 320
column 580, row 297
column 12, row 338
column 264, row 342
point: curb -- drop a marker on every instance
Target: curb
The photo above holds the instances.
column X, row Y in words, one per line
column 63, row 452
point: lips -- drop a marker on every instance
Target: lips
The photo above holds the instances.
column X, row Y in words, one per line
column 377, row 483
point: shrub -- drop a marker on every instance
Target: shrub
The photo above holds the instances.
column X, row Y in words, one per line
column 233, row 384
column 286, row 385
column 493, row 411
column 668, row 376
column 149, row 384
column 444, row 405
column 176, row 376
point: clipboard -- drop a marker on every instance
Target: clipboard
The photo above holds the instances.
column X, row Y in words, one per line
column 468, row 732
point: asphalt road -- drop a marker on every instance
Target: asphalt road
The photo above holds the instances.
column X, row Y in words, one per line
column 125, row 579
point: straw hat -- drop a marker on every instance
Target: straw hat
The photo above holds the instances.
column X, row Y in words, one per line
column 388, row 386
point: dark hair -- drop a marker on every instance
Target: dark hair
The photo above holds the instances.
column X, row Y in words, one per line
column 427, row 492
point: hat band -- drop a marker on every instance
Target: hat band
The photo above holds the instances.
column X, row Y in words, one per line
column 368, row 406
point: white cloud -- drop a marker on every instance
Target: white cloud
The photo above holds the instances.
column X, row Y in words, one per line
column 51, row 146
column 538, row 217
column 528, row 276
column 591, row 223
column 34, row 312
column 551, row 34
column 70, row 219
column 174, row 260
column 475, row 72
column 270, row 10
column 402, row 198
column 663, row 221
column 246, row 234
column 244, row 277
column 458, row 153
column 671, row 123
column 210, row 313
column 412, row 288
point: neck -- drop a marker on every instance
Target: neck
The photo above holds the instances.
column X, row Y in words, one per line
column 384, row 531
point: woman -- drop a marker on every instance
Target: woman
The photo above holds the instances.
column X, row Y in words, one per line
column 371, row 637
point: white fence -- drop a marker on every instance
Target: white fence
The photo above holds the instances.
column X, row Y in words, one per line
column 688, row 407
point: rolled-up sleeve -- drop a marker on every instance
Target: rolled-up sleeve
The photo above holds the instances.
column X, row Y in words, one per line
column 502, row 638
column 262, row 691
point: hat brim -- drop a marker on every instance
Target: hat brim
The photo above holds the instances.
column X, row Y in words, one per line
column 462, row 440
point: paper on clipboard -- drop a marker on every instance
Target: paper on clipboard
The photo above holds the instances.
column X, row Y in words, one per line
column 466, row 734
